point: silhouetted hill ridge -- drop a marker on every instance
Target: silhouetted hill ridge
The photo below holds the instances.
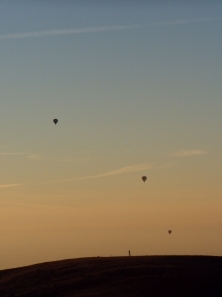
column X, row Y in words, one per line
column 161, row 276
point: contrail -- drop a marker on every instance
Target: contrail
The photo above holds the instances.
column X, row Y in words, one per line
column 66, row 32
column 123, row 170
column 183, row 22
column 9, row 186
column 128, row 169
column 29, row 155
column 100, row 29
column 14, row 154
column 185, row 153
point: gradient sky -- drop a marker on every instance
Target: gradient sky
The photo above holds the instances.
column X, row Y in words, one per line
column 136, row 87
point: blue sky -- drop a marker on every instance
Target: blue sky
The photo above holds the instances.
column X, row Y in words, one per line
column 136, row 87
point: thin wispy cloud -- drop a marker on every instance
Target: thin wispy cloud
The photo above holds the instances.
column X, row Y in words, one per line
column 73, row 31
column 34, row 156
column 29, row 155
column 128, row 169
column 12, row 154
column 124, row 170
column 67, row 31
column 187, row 153
column 74, row 160
column 183, row 22
column 9, row 186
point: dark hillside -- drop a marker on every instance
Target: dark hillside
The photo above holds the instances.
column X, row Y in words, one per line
column 179, row 276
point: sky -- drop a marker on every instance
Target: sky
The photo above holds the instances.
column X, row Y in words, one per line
column 136, row 88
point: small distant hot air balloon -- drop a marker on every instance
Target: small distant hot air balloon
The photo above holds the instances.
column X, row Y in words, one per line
column 55, row 121
column 169, row 231
column 144, row 178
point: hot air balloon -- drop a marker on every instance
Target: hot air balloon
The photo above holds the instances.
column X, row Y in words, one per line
column 144, row 178
column 55, row 121
column 169, row 231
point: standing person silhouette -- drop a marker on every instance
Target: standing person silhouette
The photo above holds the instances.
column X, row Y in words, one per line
column 129, row 253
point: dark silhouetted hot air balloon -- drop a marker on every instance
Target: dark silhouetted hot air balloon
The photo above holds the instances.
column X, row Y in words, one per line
column 169, row 231
column 55, row 121
column 144, row 178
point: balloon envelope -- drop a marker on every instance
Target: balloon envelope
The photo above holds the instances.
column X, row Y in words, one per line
column 169, row 231
column 144, row 178
column 55, row 121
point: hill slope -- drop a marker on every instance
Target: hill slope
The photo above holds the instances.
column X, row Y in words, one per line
column 177, row 276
